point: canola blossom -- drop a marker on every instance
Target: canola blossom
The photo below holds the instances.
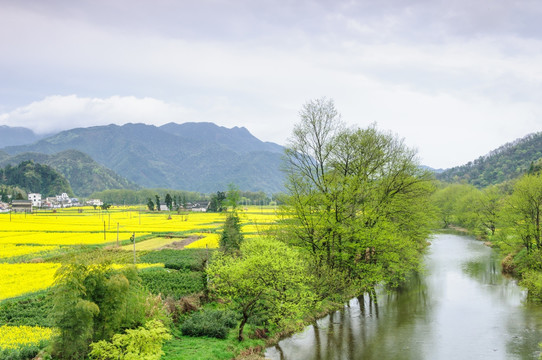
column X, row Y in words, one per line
column 19, row 279
column 45, row 231
column 11, row 250
column 208, row 241
column 14, row 337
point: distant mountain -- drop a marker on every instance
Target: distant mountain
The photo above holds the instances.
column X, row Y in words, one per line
column 507, row 162
column 237, row 139
column 83, row 173
column 193, row 156
column 34, row 177
column 433, row 170
column 11, row 136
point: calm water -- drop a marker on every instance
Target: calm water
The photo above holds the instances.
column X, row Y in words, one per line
column 461, row 308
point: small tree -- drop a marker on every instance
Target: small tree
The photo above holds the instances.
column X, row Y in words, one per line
column 217, row 202
column 169, row 201
column 268, row 278
column 150, row 204
column 157, row 202
column 233, row 196
column 92, row 302
column 144, row 343
column 231, row 237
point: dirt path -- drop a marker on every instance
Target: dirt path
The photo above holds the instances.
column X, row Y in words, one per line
column 179, row 245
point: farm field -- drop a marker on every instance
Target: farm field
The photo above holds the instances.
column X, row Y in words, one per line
column 33, row 247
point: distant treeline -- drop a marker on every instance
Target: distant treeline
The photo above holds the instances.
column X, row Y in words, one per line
column 137, row 197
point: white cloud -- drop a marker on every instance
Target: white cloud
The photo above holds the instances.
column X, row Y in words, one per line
column 453, row 86
column 55, row 113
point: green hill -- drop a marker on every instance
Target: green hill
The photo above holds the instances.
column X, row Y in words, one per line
column 37, row 178
column 505, row 163
column 84, row 174
column 200, row 157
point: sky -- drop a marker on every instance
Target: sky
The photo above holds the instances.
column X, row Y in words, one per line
column 454, row 79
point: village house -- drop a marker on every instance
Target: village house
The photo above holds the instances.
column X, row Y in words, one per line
column 21, row 205
column 200, row 206
column 94, row 202
column 36, row 199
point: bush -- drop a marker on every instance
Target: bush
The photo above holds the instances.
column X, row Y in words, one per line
column 143, row 343
column 185, row 260
column 212, row 323
column 22, row 353
column 532, row 280
column 173, row 283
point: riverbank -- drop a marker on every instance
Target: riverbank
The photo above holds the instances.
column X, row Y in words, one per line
column 460, row 307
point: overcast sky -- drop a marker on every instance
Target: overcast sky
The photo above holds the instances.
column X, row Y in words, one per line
column 455, row 79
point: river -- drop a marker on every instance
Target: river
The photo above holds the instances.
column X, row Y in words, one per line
column 461, row 307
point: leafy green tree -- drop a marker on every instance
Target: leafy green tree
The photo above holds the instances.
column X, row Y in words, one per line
column 218, row 202
column 92, row 302
column 233, row 196
column 524, row 213
column 488, row 208
column 157, row 202
column 268, row 278
column 105, row 206
column 359, row 198
column 231, row 237
column 169, row 201
column 150, row 204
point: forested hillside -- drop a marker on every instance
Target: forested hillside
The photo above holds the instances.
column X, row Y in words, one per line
column 194, row 156
column 507, row 162
column 83, row 173
column 33, row 177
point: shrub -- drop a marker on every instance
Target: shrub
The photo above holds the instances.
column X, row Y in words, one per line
column 23, row 353
column 172, row 283
column 212, row 323
column 143, row 343
column 532, row 280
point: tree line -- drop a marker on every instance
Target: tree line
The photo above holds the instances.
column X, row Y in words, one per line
column 508, row 215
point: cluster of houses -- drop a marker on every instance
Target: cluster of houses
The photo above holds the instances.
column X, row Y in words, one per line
column 35, row 200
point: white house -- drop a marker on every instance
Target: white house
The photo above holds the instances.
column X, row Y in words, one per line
column 94, row 202
column 36, row 199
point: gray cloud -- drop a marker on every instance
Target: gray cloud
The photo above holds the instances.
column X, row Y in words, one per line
column 414, row 67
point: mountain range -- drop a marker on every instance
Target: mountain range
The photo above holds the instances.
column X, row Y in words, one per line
column 200, row 157
column 204, row 157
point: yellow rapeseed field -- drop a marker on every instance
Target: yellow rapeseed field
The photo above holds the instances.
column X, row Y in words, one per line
column 207, row 241
column 11, row 250
column 13, row 337
column 19, row 279
column 48, row 231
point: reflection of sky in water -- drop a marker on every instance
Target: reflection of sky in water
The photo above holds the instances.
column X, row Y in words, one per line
column 461, row 308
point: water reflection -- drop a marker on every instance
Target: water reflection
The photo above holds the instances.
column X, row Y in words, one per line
column 461, row 308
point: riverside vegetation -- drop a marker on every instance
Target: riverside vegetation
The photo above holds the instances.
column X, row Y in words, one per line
column 356, row 214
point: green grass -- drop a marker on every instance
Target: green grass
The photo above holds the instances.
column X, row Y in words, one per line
column 203, row 348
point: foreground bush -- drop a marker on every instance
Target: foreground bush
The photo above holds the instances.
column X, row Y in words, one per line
column 211, row 323
column 143, row 343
